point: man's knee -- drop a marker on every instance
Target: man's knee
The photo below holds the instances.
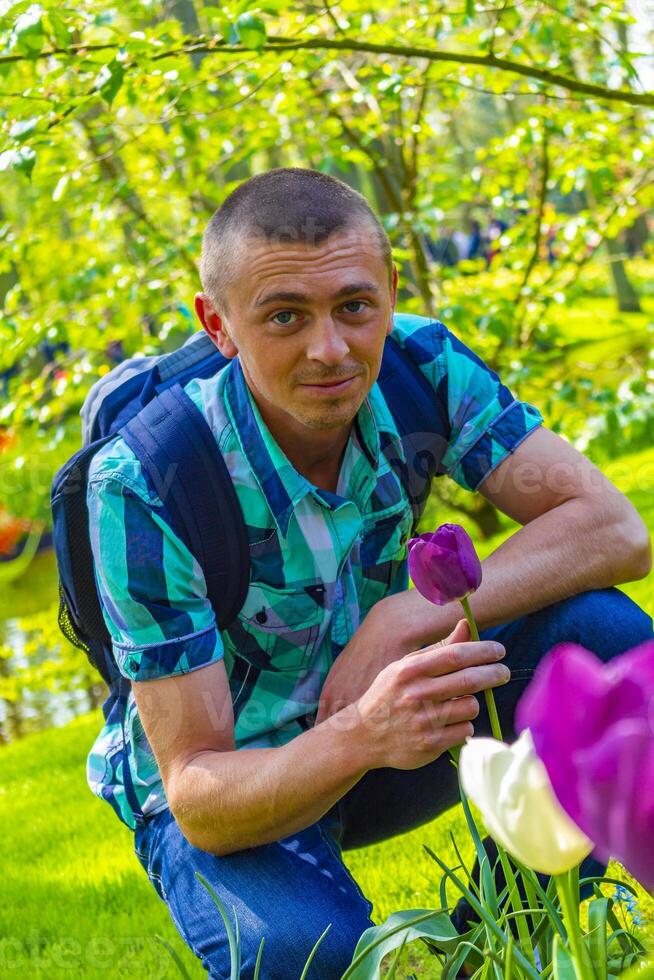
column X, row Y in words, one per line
column 289, row 933
column 288, row 943
column 605, row 621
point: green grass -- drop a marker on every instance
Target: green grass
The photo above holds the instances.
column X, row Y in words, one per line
column 74, row 901
column 601, row 342
column 73, row 897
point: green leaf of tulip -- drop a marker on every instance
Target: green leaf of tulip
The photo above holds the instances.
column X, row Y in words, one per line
column 510, row 786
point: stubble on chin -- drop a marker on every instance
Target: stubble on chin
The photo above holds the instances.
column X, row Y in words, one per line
column 329, row 417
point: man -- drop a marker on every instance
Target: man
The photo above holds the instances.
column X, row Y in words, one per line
column 299, row 292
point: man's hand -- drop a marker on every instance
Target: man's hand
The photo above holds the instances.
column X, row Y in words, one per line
column 423, row 704
column 378, row 642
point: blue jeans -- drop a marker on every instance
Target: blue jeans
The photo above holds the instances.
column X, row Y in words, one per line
column 289, row 891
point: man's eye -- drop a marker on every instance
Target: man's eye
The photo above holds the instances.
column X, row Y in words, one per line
column 356, row 302
column 284, row 322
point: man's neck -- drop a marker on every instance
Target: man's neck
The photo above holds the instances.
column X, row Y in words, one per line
column 317, row 458
column 315, row 453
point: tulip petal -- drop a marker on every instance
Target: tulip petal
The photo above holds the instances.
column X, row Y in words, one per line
column 510, row 786
column 568, row 706
column 444, row 565
column 617, row 794
column 593, row 728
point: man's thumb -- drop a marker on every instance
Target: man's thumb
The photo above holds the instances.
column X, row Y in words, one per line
column 460, row 633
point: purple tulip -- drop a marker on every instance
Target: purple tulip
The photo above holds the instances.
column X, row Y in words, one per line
column 593, row 727
column 443, row 564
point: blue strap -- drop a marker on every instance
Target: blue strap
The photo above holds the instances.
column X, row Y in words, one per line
column 178, row 452
column 179, row 361
column 198, row 358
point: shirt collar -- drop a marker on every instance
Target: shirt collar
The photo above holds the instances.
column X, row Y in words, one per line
column 281, row 484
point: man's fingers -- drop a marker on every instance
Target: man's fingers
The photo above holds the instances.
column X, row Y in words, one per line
column 437, row 661
column 456, row 735
column 456, row 710
column 470, row 680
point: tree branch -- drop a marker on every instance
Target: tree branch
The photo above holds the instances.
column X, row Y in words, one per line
column 415, row 133
column 538, row 231
column 279, row 44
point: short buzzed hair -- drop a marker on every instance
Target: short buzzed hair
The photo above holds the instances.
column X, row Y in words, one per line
column 287, row 204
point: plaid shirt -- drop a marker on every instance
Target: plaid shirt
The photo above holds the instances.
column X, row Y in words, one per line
column 319, row 560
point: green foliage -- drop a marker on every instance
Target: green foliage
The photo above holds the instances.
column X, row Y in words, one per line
column 503, row 942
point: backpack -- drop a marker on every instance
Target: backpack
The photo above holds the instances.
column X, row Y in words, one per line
column 143, row 401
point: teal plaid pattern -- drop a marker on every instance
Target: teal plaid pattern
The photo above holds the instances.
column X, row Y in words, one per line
column 319, row 560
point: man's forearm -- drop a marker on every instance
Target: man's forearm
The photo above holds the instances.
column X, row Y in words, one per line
column 561, row 553
column 226, row 801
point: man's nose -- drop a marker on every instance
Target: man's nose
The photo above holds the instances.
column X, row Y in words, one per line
column 326, row 342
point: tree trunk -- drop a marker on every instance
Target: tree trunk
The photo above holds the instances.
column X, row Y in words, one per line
column 626, row 295
column 636, row 236
column 9, row 278
column 625, row 292
column 185, row 13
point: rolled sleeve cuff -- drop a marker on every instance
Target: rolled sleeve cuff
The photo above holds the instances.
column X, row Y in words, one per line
column 170, row 657
column 497, row 442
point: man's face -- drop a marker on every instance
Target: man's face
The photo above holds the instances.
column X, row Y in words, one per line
column 303, row 317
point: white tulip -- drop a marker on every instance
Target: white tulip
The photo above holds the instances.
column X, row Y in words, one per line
column 510, row 786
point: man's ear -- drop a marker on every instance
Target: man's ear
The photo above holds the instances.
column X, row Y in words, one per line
column 214, row 326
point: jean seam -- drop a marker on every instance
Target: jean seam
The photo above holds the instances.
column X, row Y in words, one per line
column 333, row 848
column 154, row 877
column 189, row 943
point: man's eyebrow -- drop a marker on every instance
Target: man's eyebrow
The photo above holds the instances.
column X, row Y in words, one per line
column 292, row 297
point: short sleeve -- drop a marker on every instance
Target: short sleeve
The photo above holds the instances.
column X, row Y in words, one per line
column 152, row 590
column 486, row 422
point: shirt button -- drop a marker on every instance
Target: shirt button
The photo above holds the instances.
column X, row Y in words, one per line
column 262, row 615
column 134, row 665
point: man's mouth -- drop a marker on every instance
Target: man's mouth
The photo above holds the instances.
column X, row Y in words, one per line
column 337, row 384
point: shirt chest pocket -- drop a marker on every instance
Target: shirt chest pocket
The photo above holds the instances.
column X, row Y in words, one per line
column 279, row 629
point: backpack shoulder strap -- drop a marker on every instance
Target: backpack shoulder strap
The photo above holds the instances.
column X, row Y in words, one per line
column 195, row 350
column 177, row 449
column 119, row 395
column 420, row 413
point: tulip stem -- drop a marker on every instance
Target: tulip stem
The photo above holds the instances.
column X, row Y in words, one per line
column 490, row 700
column 570, row 911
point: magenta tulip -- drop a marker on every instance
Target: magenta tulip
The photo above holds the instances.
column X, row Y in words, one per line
column 443, row 564
column 593, row 727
